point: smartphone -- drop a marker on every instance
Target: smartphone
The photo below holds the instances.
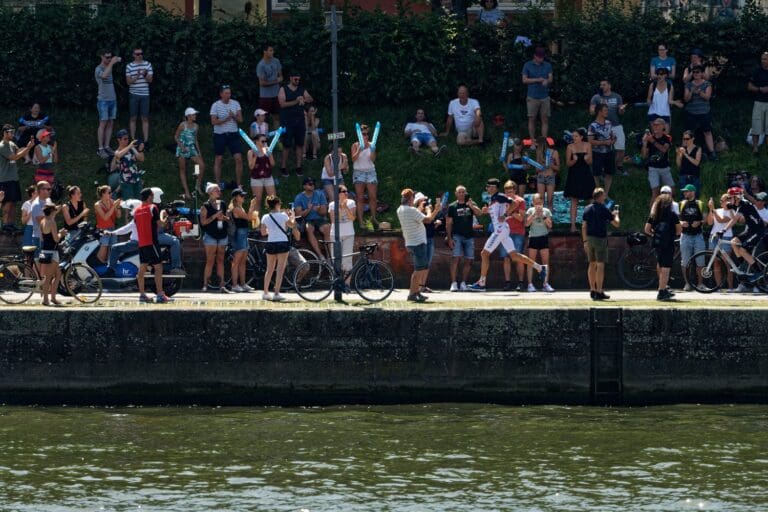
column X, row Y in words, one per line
column 290, row 206
column 616, row 207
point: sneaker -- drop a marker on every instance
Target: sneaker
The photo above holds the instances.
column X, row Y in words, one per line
column 266, row 296
column 178, row 272
column 440, row 151
column 755, row 290
column 670, row 291
column 225, row 290
column 102, row 153
column 416, row 297
column 476, row 287
column 508, row 286
column 162, row 298
column 531, row 288
column 592, row 294
column 237, row 289
column 543, row 272
column 110, row 151
column 246, row 288
column 743, row 289
column 463, row 287
column 278, row 297
column 730, row 290
column 299, row 171
column 204, row 289
column 284, row 172
column 663, row 295
column 602, row 296
column 687, row 288
column 454, row 286
column 144, row 298
column 520, row 286
column 548, row 288
column 414, row 151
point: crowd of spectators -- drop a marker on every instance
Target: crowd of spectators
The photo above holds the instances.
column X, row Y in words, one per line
column 593, row 157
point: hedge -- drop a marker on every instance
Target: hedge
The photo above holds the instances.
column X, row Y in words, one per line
column 50, row 55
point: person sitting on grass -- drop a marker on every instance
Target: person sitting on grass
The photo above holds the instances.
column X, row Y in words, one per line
column 465, row 113
column 422, row 133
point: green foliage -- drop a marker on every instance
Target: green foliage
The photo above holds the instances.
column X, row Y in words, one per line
column 51, row 54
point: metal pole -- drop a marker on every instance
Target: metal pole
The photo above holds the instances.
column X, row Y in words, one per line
column 339, row 284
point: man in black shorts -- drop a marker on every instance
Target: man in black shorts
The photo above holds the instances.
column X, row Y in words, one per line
column 9, row 174
column 743, row 244
column 293, row 98
column 147, row 220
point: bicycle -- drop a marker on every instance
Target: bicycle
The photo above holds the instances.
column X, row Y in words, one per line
column 20, row 279
column 372, row 280
column 717, row 264
column 256, row 263
column 637, row 264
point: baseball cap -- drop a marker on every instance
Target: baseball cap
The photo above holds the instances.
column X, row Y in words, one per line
column 735, row 191
column 238, row 192
column 307, row 180
column 666, row 189
column 44, row 133
column 761, row 196
column 689, row 188
column 697, row 51
column 209, row 187
column 121, row 133
column 418, row 197
column 189, row 111
column 259, row 112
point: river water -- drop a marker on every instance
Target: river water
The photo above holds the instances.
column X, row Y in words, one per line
column 452, row 457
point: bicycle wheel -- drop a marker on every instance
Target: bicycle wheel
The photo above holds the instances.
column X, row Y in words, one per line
column 637, row 267
column 296, row 259
column 18, row 282
column 713, row 273
column 313, row 280
column 373, row 280
column 83, row 283
column 761, row 263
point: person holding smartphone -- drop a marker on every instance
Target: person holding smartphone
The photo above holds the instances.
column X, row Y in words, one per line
column 594, row 235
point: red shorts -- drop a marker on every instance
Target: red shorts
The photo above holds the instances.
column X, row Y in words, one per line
column 271, row 105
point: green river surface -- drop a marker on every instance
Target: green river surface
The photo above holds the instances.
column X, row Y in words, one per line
column 452, row 457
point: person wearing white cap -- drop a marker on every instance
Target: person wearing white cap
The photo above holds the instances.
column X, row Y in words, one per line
column 259, row 125
column 666, row 189
column 214, row 220
column 188, row 148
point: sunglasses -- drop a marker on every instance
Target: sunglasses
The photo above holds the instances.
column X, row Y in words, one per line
column 107, row 56
column 342, row 191
column 137, row 54
column 9, row 130
column 686, row 138
column 46, row 188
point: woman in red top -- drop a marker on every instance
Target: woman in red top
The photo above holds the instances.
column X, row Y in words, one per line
column 261, row 171
column 107, row 212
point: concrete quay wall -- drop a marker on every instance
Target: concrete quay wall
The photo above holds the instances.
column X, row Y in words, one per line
column 105, row 356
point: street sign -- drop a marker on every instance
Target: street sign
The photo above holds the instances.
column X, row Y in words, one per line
column 337, row 136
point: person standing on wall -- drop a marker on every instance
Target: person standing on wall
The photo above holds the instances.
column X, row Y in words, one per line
column 758, row 84
column 594, row 234
column 147, row 220
column 615, row 109
column 138, row 75
column 269, row 71
column 225, row 115
column 106, row 102
column 292, row 98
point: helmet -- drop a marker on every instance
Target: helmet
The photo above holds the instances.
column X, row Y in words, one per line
column 130, row 205
column 735, row 191
column 157, row 195
column 636, row 238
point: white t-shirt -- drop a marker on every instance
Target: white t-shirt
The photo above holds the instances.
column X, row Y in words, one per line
column 221, row 110
column 412, row 224
column 414, row 128
column 272, row 221
column 346, row 224
column 27, row 208
column 763, row 215
column 719, row 226
column 463, row 115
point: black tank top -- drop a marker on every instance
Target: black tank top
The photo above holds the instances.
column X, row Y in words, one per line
column 49, row 244
column 212, row 229
column 295, row 113
column 74, row 211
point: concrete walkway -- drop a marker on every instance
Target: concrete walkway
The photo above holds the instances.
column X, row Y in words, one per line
column 440, row 299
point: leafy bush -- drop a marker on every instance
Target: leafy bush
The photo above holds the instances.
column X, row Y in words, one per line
column 51, row 54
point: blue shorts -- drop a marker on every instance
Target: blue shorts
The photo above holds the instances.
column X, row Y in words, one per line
column 107, row 109
column 208, row 240
column 518, row 240
column 690, row 244
column 138, row 105
column 224, row 141
column 107, row 240
column 424, row 138
column 463, row 247
column 330, row 183
column 239, row 242
column 367, row 176
column 27, row 239
column 419, row 255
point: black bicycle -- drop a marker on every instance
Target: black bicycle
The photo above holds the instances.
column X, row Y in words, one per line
column 256, row 263
column 314, row 280
column 637, row 264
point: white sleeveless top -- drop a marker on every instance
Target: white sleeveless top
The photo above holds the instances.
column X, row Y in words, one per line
column 327, row 173
column 660, row 103
column 363, row 162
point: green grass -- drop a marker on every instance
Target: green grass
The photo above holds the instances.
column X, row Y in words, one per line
column 396, row 167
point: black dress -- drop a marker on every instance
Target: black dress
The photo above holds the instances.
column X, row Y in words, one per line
column 580, row 184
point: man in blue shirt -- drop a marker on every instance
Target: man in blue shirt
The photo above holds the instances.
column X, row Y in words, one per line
column 537, row 75
column 312, row 206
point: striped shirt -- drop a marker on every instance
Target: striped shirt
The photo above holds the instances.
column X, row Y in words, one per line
column 139, row 71
column 221, row 110
column 412, row 224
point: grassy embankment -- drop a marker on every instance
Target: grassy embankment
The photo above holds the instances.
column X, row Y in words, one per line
column 396, row 167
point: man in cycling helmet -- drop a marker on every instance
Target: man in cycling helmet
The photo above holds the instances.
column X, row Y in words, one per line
column 746, row 213
column 164, row 238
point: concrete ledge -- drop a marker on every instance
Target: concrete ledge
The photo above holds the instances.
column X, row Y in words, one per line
column 380, row 356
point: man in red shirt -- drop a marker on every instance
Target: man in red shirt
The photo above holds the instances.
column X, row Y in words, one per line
column 147, row 219
column 516, row 223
